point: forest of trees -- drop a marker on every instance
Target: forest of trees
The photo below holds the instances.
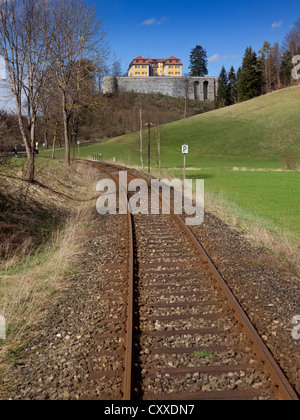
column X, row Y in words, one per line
column 263, row 72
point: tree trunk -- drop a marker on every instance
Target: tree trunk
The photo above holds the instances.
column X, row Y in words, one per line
column 46, row 139
column 28, row 146
column 66, row 131
column 31, row 167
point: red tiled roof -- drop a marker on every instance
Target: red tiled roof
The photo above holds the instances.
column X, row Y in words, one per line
column 173, row 60
column 155, row 61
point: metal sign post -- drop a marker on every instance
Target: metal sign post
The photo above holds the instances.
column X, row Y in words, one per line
column 185, row 151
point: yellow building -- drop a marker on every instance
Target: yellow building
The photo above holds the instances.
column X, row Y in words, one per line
column 151, row 67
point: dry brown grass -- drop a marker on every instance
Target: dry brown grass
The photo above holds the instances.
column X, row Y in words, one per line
column 33, row 276
column 26, row 290
column 281, row 244
column 30, row 213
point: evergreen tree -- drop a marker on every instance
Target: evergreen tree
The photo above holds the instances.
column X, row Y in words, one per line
column 238, row 77
column 223, row 91
column 286, row 68
column 198, row 62
column 250, row 77
column 232, row 87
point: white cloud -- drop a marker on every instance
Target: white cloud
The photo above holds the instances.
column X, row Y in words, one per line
column 149, row 22
column 162, row 20
column 217, row 57
column 277, row 24
column 154, row 21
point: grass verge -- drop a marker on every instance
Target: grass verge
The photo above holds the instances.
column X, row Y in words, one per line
column 279, row 243
column 31, row 277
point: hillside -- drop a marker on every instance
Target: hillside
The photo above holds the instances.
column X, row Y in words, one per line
column 263, row 132
column 120, row 114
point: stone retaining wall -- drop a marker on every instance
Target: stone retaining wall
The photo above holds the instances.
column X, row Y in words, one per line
column 197, row 88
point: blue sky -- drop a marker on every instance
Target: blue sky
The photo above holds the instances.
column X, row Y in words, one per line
column 165, row 28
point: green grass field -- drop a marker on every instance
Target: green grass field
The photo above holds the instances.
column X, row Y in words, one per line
column 270, row 196
column 263, row 133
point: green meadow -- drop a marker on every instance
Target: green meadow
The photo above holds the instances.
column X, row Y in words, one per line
column 273, row 197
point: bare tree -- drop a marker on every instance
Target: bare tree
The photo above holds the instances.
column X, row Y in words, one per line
column 77, row 40
column 276, row 60
column 185, row 87
column 290, row 49
column 116, row 68
column 50, row 108
column 25, row 50
column 292, row 39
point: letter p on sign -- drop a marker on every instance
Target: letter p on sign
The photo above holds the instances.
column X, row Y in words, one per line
column 185, row 149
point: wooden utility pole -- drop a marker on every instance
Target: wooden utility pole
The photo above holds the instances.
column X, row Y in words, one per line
column 141, row 133
column 54, row 141
column 149, row 125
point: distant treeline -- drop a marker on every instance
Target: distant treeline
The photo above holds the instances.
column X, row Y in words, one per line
column 261, row 72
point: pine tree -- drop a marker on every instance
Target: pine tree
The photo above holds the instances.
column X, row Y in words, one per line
column 286, row 68
column 232, row 87
column 250, row 78
column 198, row 62
column 223, row 90
column 238, row 75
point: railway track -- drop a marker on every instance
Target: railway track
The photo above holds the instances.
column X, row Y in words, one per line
column 183, row 334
